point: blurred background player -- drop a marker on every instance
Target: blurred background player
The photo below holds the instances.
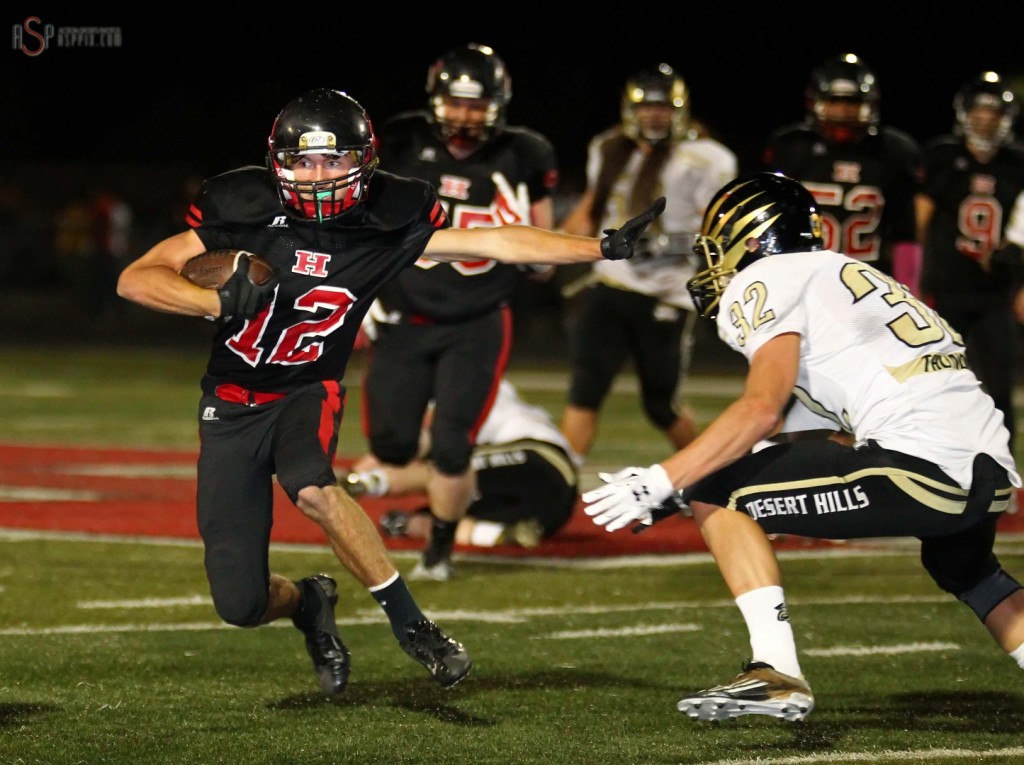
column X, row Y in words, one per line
column 643, row 310
column 862, row 174
column 971, row 218
column 526, row 479
column 449, row 330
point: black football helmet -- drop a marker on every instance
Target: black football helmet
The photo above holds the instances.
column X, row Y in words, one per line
column 750, row 218
column 473, row 72
column 660, row 85
column 843, row 78
column 322, row 121
column 987, row 90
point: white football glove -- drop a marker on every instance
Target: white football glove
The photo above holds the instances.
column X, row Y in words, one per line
column 628, row 497
column 511, row 207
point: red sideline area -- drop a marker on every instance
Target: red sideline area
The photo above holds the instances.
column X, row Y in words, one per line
column 152, row 493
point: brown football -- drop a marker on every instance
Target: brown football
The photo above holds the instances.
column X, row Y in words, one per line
column 212, row 269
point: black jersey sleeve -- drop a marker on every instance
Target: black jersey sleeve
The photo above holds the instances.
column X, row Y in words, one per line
column 539, row 161
column 397, row 202
column 937, row 163
column 230, row 201
column 904, row 154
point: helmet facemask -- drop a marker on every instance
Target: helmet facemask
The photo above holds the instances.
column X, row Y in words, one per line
column 327, row 198
column 985, row 132
column 859, row 116
column 706, row 286
column 660, row 86
column 466, row 134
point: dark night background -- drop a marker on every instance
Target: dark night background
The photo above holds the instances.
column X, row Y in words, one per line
column 194, row 94
column 203, row 91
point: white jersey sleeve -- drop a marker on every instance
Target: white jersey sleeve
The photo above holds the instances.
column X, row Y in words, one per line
column 872, row 357
column 512, row 419
column 693, row 173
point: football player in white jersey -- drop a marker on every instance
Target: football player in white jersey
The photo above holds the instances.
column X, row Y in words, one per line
column 929, row 456
column 642, row 311
column 525, row 474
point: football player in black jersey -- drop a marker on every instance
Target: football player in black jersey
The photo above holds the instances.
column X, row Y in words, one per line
column 971, row 217
column 862, row 174
column 336, row 230
column 450, row 325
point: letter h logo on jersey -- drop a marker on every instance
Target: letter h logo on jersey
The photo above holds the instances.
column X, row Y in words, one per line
column 311, row 263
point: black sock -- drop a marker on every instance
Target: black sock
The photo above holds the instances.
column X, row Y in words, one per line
column 305, row 615
column 442, row 540
column 398, row 605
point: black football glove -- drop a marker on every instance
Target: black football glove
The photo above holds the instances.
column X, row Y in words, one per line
column 240, row 298
column 618, row 243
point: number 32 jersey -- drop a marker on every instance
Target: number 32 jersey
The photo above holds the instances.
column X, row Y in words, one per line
column 330, row 273
column 873, row 358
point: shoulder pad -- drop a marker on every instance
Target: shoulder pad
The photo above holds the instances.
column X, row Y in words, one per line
column 246, row 196
column 395, row 201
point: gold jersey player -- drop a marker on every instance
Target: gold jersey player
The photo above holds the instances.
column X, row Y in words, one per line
column 929, row 456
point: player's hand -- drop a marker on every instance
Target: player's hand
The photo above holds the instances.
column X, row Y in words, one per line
column 511, row 207
column 628, row 497
column 619, row 243
column 240, row 298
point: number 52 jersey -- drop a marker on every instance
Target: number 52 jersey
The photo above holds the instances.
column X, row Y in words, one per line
column 873, row 358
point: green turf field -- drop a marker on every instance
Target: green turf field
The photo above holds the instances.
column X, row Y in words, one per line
column 111, row 653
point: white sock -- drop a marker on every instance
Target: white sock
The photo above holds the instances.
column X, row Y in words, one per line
column 771, row 635
column 376, row 482
column 1018, row 655
column 485, row 533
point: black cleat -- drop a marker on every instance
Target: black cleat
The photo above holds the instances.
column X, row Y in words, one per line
column 395, row 523
column 331, row 660
column 445, row 659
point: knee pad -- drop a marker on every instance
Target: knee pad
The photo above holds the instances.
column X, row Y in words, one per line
column 294, row 481
column 393, row 451
column 239, row 611
column 989, row 593
column 451, row 453
column 659, row 411
column 964, row 565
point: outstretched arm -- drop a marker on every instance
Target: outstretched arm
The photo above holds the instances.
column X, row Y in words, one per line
column 630, row 495
column 527, row 244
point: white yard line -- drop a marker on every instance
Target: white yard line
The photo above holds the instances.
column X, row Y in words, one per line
column 881, row 650
column 881, row 548
column 911, row 755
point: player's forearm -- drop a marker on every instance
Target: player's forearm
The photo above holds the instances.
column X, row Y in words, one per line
column 744, row 423
column 526, row 244
column 160, row 288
